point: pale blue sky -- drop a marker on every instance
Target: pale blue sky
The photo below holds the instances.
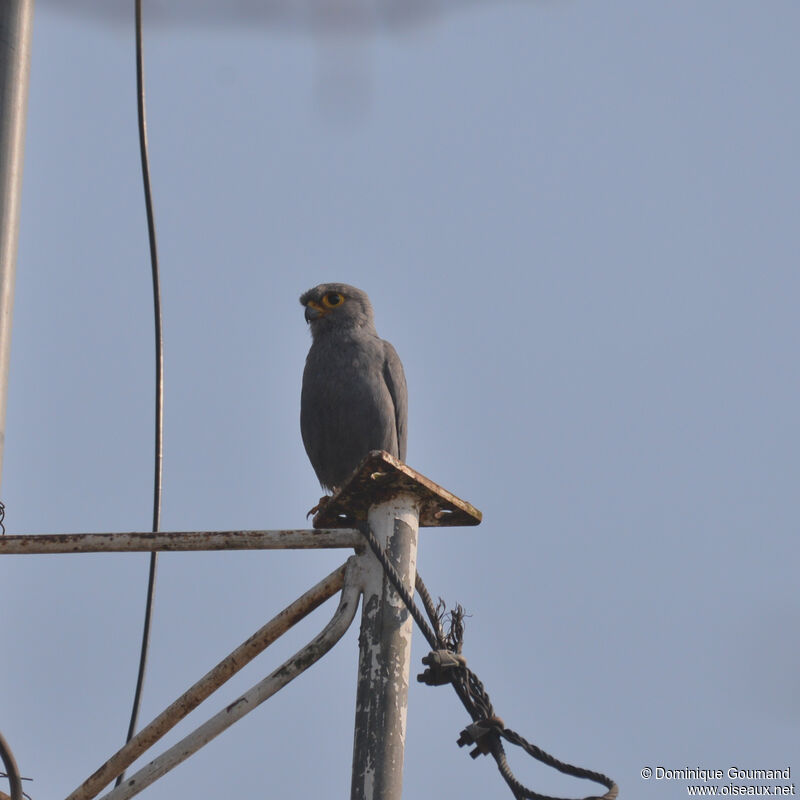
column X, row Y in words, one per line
column 578, row 223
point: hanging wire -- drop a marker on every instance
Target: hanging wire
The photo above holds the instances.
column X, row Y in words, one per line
column 159, row 342
column 445, row 664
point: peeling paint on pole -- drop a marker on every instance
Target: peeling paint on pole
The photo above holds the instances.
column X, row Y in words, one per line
column 385, row 655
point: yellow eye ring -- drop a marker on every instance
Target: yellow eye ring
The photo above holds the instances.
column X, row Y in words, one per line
column 332, row 299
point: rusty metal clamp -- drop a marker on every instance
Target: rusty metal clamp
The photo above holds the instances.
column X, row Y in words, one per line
column 440, row 665
column 483, row 733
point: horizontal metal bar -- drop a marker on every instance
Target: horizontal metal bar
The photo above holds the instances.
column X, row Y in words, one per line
column 190, row 699
column 179, row 540
column 301, row 661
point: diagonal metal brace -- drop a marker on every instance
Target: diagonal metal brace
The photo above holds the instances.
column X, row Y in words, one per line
column 150, row 734
column 302, row 660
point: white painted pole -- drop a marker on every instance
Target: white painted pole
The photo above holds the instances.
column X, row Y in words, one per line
column 16, row 24
column 385, row 655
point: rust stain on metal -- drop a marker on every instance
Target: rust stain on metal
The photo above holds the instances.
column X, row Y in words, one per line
column 235, row 703
column 379, row 478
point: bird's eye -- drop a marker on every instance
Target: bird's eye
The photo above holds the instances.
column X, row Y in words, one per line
column 332, row 299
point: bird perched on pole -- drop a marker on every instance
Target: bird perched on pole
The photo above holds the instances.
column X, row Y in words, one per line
column 354, row 396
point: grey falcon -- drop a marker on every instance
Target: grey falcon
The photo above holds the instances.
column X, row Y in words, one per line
column 354, row 396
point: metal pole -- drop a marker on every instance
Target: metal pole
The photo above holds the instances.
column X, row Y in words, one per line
column 49, row 543
column 16, row 25
column 385, row 655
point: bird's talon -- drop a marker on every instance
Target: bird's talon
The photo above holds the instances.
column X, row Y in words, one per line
column 323, row 501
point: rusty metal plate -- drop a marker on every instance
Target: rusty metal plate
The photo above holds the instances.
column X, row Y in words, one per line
column 378, row 478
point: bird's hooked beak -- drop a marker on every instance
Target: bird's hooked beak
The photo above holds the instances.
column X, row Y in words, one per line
column 314, row 311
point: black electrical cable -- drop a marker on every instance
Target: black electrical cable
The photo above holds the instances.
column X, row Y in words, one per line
column 159, row 341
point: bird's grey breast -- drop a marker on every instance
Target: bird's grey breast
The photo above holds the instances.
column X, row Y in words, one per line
column 347, row 408
column 345, row 368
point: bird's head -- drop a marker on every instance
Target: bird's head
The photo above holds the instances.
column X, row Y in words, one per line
column 337, row 306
